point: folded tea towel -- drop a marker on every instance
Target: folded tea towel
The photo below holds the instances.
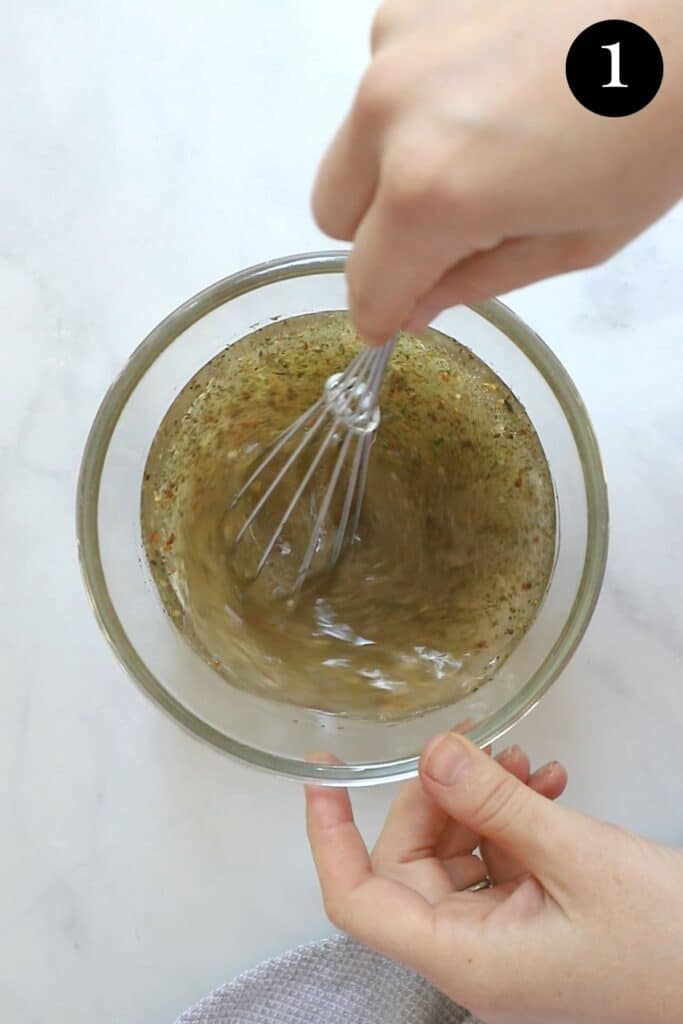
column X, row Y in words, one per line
column 333, row 982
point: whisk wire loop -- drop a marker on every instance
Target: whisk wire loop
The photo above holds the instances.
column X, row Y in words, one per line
column 351, row 400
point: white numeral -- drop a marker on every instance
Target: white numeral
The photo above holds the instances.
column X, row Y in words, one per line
column 615, row 53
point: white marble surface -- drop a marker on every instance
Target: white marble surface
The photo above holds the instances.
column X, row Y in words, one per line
column 145, row 151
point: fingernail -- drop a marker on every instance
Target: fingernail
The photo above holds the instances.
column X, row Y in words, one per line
column 510, row 751
column 446, row 759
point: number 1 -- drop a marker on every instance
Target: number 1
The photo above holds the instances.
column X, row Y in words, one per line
column 615, row 54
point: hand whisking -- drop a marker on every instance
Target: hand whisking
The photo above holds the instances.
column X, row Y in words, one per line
column 348, row 409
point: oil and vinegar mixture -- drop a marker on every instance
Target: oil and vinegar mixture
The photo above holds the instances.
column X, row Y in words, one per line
column 454, row 548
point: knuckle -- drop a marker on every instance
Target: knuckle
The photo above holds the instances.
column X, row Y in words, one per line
column 582, row 252
column 415, row 180
column 496, row 808
column 378, row 91
column 598, row 252
column 382, row 25
column 328, row 216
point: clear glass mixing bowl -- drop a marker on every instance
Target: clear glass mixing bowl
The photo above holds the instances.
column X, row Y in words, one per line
column 273, row 735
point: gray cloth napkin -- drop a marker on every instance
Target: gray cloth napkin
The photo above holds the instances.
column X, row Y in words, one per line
column 333, row 982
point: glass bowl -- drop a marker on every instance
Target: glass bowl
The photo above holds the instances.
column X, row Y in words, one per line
column 269, row 734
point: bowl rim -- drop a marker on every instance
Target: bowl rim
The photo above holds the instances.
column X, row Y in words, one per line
column 87, row 498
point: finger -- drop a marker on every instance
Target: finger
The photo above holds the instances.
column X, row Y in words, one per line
column 412, row 828
column 385, row 914
column 393, row 20
column 405, row 850
column 347, row 178
column 464, row 871
column 340, row 854
column 478, row 792
column 458, row 838
column 512, row 264
column 514, row 760
column 414, row 824
column 403, row 247
column 549, row 781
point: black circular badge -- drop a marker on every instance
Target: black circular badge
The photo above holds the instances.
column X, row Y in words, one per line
column 614, row 68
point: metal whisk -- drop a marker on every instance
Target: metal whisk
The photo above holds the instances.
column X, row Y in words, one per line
column 348, row 409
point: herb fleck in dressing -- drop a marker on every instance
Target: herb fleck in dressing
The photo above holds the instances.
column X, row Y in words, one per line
column 455, row 545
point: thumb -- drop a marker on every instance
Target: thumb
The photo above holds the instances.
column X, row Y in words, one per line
column 479, row 793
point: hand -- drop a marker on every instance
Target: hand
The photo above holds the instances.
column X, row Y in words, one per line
column 584, row 922
column 466, row 168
